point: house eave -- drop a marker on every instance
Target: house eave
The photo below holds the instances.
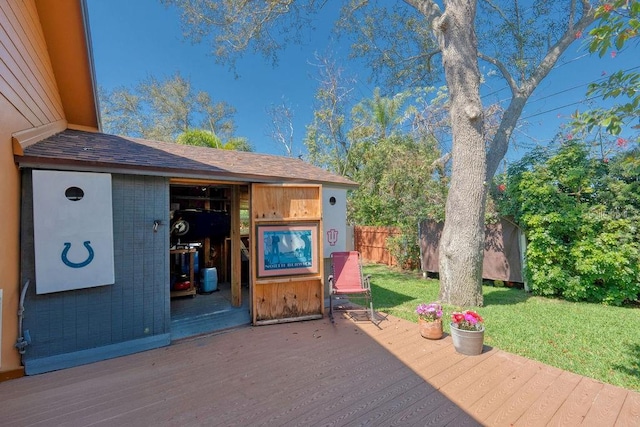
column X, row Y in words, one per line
column 36, row 162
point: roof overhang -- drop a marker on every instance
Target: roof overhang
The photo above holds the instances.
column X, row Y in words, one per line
column 27, row 162
column 98, row 152
column 66, row 31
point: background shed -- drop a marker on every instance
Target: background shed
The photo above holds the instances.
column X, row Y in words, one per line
column 503, row 250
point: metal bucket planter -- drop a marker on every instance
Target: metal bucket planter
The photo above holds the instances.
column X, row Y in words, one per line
column 467, row 342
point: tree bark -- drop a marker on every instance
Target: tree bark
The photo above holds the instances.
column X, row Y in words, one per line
column 462, row 240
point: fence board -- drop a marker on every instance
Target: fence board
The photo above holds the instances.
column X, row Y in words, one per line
column 371, row 242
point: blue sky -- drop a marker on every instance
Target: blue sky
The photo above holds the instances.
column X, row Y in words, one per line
column 134, row 39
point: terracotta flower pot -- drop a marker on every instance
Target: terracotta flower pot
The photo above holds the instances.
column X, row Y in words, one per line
column 431, row 330
column 469, row 343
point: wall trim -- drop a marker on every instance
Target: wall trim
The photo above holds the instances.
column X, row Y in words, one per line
column 11, row 374
column 83, row 128
column 83, row 357
column 24, row 138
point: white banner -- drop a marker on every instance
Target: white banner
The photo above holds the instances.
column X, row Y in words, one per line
column 73, row 230
column 334, row 220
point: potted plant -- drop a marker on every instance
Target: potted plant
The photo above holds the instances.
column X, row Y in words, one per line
column 430, row 320
column 467, row 332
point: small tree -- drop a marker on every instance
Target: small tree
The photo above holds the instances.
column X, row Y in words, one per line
column 199, row 138
column 281, row 128
column 326, row 136
column 205, row 138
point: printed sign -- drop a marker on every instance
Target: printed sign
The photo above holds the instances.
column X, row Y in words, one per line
column 287, row 250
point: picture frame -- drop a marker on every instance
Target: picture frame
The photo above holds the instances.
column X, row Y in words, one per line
column 287, row 250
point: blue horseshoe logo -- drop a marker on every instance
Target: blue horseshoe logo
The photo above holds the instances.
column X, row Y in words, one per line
column 84, row 263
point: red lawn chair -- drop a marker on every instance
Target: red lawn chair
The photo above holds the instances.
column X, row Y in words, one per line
column 347, row 280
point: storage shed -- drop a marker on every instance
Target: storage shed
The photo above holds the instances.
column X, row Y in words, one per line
column 114, row 245
column 117, row 231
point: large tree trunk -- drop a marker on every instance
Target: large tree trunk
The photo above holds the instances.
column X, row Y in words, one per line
column 462, row 241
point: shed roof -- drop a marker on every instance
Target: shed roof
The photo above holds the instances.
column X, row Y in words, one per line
column 100, row 152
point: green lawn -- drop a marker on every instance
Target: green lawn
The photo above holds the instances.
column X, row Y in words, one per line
column 593, row 340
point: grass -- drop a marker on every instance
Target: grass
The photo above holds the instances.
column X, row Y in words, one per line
column 593, row 340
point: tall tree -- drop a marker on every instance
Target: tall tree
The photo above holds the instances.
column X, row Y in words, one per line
column 523, row 43
column 390, row 152
column 163, row 109
column 397, row 170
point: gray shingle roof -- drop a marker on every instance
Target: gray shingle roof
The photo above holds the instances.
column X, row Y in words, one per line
column 72, row 149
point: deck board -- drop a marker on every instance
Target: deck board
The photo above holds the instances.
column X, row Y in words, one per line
column 315, row 373
column 541, row 412
column 496, row 398
column 577, row 404
column 605, row 408
column 630, row 412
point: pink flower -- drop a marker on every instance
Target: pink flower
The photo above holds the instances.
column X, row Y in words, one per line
column 501, row 188
column 621, row 142
column 579, row 34
column 614, row 54
column 607, row 7
column 429, row 312
column 569, row 136
column 468, row 320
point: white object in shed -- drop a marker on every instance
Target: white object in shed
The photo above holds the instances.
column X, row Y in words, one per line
column 73, row 230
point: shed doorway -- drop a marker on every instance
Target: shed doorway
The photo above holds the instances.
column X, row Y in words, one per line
column 209, row 258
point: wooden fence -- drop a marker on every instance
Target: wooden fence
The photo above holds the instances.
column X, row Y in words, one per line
column 371, row 242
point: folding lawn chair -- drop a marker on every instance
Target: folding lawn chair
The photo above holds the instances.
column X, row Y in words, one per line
column 347, row 280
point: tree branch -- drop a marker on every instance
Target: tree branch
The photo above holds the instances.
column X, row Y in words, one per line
column 503, row 69
column 497, row 149
column 555, row 51
column 442, row 161
column 428, row 8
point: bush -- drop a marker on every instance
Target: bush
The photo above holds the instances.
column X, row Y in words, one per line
column 580, row 216
column 405, row 250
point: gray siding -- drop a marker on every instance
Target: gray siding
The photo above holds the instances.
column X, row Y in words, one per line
column 131, row 315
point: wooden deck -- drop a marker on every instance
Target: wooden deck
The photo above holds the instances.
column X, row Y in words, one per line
column 315, row 373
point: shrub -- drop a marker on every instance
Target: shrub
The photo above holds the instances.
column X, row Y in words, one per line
column 580, row 216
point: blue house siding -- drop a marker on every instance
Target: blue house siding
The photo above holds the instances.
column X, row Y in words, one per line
column 81, row 326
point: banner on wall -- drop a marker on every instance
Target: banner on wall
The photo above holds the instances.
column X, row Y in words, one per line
column 334, row 213
column 73, row 230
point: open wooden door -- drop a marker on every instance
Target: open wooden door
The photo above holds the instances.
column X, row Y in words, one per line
column 286, row 235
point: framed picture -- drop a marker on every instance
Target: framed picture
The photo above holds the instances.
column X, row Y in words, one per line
column 287, row 250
